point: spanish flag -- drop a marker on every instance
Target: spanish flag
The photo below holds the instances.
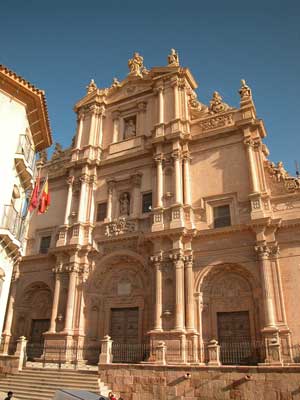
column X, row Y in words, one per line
column 44, row 199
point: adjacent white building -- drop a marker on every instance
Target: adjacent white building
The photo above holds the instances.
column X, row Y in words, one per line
column 24, row 131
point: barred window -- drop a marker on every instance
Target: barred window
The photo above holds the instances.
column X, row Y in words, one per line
column 101, row 211
column 147, row 202
column 45, row 244
column 222, row 216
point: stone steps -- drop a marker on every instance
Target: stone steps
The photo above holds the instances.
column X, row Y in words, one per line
column 41, row 384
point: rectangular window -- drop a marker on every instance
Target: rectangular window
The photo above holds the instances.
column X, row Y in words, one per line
column 147, row 202
column 45, row 244
column 101, row 211
column 222, row 216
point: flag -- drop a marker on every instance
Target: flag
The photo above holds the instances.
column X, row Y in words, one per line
column 34, row 201
column 44, row 199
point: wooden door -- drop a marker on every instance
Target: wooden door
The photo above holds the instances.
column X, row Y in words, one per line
column 35, row 345
column 124, row 325
column 234, row 337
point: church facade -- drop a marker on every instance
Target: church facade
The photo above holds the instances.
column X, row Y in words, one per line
column 168, row 224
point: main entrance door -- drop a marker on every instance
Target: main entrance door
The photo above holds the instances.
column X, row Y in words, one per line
column 36, row 341
column 124, row 333
column 234, row 337
column 124, row 325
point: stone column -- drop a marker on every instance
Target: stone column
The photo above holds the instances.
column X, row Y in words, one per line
column 83, row 198
column 94, row 110
column 116, row 128
column 79, row 129
column 157, row 260
column 263, row 253
column 93, row 187
column 189, row 293
column 200, row 308
column 187, row 181
column 177, row 259
column 159, row 180
column 72, row 269
column 161, row 105
column 70, row 182
column 99, row 138
column 110, row 190
column 176, row 155
column 10, row 312
column 57, row 270
column 136, row 180
column 252, row 168
column 176, row 99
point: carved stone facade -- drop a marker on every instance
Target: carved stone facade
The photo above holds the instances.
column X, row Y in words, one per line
column 173, row 228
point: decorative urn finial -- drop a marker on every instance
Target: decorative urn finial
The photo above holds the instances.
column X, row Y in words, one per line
column 245, row 91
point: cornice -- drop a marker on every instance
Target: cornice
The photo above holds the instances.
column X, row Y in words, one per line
column 21, row 89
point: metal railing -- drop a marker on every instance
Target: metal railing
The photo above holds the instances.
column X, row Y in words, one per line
column 24, row 148
column 12, row 221
column 244, row 352
column 55, row 354
column 130, row 352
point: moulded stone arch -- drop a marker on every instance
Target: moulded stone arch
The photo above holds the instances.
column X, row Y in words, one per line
column 227, row 288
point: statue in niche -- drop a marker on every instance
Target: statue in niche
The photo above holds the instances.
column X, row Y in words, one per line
column 129, row 131
column 136, row 64
column 124, row 204
column 173, row 60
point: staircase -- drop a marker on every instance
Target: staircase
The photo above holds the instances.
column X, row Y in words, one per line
column 41, row 384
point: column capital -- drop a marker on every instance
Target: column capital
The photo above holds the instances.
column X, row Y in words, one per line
column 263, row 251
column 248, row 142
column 176, row 154
column 188, row 261
column 158, row 158
column 73, row 267
column 186, row 155
column 70, row 180
column 136, row 179
column 59, row 268
column 84, row 178
column 174, row 82
column 142, row 106
column 157, row 258
column 97, row 110
column 111, row 183
column 177, row 257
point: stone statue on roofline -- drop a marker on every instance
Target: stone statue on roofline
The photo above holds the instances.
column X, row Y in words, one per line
column 136, row 65
column 245, row 91
column 57, row 150
column 91, row 87
column 173, row 59
column 115, row 83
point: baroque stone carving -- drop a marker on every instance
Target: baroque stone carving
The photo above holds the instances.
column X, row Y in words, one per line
column 173, row 59
column 216, row 122
column 217, row 105
column 130, row 129
column 195, row 104
column 124, row 203
column 115, row 83
column 57, row 150
column 279, row 174
column 91, row 87
column 119, row 227
column 43, row 156
column 136, row 64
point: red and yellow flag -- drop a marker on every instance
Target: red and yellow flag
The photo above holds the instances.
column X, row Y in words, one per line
column 45, row 199
column 34, row 201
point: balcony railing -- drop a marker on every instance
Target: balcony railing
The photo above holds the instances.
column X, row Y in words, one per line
column 13, row 222
column 24, row 148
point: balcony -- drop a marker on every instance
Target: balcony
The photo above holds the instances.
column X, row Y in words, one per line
column 25, row 161
column 12, row 226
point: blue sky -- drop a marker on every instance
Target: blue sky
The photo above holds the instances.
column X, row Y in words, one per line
column 61, row 45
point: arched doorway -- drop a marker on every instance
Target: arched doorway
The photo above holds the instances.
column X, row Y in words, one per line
column 230, row 313
column 117, row 300
column 33, row 313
